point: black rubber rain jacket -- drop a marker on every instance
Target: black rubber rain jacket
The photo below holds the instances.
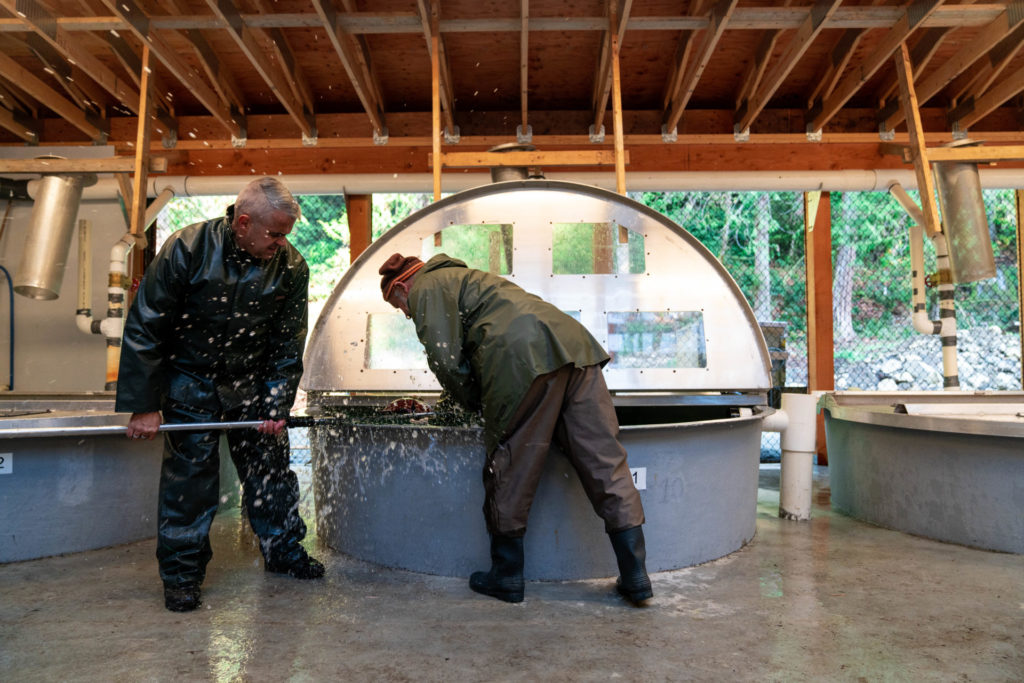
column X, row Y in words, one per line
column 215, row 328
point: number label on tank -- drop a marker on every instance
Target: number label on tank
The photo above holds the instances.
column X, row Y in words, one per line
column 6, row 463
column 639, row 477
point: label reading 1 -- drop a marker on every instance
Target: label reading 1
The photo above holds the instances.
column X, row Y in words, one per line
column 6, row 463
column 639, row 477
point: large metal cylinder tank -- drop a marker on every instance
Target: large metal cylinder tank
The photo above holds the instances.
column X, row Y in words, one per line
column 41, row 269
column 689, row 376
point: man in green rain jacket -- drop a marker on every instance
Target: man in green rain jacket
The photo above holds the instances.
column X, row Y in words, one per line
column 216, row 333
column 535, row 374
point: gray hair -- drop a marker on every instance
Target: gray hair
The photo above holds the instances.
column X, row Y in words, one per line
column 264, row 195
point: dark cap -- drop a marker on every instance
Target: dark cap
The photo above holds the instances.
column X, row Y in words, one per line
column 397, row 268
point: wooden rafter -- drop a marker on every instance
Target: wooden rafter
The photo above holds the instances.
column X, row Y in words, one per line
column 982, row 42
column 817, row 15
column 999, row 94
column 603, row 76
column 282, row 48
column 45, row 28
column 918, row 150
column 272, row 71
column 446, row 93
column 18, row 76
column 22, row 126
column 720, row 14
column 988, row 69
column 131, row 62
column 912, row 17
column 349, row 54
column 755, row 70
column 208, row 57
column 139, row 24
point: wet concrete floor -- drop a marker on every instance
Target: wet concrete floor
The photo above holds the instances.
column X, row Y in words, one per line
column 832, row 599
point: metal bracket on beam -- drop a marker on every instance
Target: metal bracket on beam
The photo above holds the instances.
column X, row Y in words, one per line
column 381, row 137
column 309, row 140
column 238, row 142
column 959, row 132
column 669, row 135
column 170, row 139
column 813, row 135
column 741, row 135
column 452, row 138
column 886, row 135
column 524, row 138
column 597, row 137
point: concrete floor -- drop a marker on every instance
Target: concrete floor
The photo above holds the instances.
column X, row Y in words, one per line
column 831, row 599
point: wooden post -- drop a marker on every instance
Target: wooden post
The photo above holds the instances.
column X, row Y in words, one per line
column 620, row 158
column 137, row 214
column 435, row 91
column 918, row 151
column 818, row 262
column 359, row 208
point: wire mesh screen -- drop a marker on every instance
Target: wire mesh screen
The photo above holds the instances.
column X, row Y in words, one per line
column 876, row 346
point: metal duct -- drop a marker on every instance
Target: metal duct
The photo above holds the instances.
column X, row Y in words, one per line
column 46, row 249
column 964, row 221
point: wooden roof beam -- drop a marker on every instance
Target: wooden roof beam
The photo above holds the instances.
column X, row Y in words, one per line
column 759, row 64
column 446, row 90
column 286, row 56
column 719, row 17
column 365, row 23
column 990, row 68
column 974, row 110
column 347, row 51
column 603, row 76
column 817, row 15
column 271, row 71
column 70, row 51
column 208, row 58
column 982, row 42
column 25, row 127
column 911, row 18
column 20, row 77
column 139, row 24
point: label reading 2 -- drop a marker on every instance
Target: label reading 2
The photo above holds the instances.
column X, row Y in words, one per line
column 6, row 463
column 639, row 477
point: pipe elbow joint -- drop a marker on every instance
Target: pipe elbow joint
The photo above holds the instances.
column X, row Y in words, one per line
column 112, row 328
column 83, row 320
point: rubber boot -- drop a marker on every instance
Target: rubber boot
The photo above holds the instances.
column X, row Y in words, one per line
column 182, row 598
column 631, row 554
column 505, row 579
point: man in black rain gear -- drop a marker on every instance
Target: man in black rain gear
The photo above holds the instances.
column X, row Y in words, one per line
column 216, row 333
column 535, row 373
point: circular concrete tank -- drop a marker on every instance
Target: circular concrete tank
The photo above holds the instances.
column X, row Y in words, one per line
column 689, row 375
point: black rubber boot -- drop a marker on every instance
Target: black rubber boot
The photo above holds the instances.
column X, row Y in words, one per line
column 182, row 598
column 301, row 567
column 631, row 554
column 505, row 579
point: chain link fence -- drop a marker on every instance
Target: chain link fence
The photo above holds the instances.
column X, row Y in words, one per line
column 759, row 238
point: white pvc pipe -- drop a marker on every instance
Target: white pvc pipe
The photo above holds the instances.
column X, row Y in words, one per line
column 712, row 181
column 83, row 314
column 799, row 444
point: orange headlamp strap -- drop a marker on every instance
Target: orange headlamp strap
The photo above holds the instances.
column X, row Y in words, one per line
column 402, row 277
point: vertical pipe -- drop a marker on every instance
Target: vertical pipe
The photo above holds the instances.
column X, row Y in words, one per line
column 1019, row 195
column 799, row 442
column 10, row 298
